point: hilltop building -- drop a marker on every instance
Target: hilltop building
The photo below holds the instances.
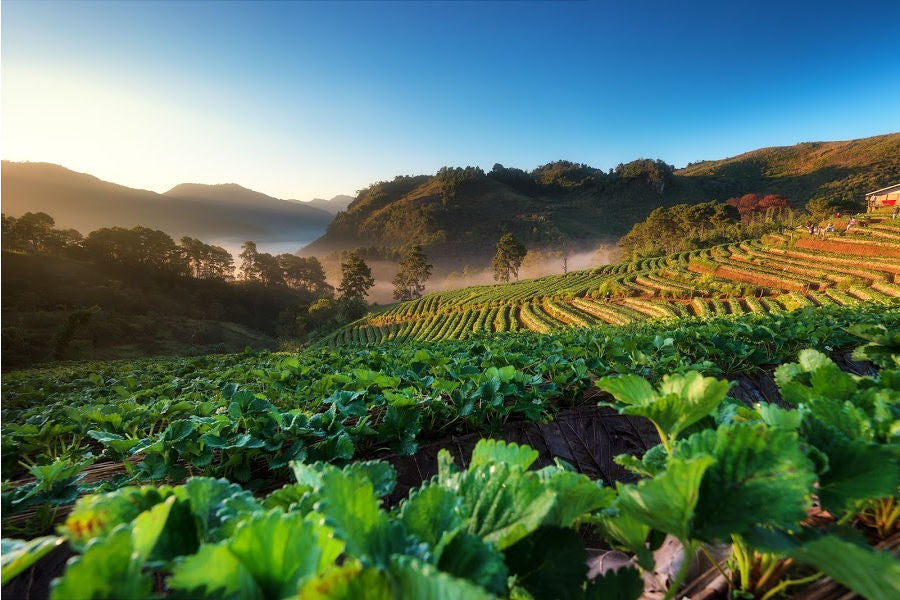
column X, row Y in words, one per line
column 889, row 196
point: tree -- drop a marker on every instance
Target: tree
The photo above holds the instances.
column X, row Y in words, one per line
column 822, row 208
column 749, row 205
column 356, row 278
column 269, row 270
column 207, row 261
column 32, row 231
column 219, row 263
column 304, row 273
column 414, row 272
column 250, row 261
column 137, row 247
column 510, row 253
column 64, row 240
column 8, row 224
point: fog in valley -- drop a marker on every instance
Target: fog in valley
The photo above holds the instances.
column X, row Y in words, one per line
column 536, row 264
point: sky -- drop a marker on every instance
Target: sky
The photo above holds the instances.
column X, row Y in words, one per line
column 307, row 99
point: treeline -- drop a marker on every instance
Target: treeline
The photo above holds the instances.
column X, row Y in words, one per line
column 685, row 227
column 560, row 175
column 129, row 292
column 151, row 250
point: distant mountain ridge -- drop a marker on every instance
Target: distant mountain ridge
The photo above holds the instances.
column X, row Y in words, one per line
column 333, row 205
column 462, row 212
column 84, row 202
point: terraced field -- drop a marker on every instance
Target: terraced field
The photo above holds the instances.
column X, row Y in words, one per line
column 775, row 273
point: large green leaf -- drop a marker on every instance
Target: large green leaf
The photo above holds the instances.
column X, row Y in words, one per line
column 629, row 389
column 813, row 377
column 856, row 470
column 667, row 501
column 682, row 399
column 550, row 564
column 279, row 549
column 268, row 556
column 624, row 531
column 350, row 505
column 107, row 569
column 400, row 427
column 775, row 416
column 503, row 503
column 350, row 581
column 491, row 451
column 213, row 502
column 466, row 556
column 431, row 512
column 760, row 476
column 883, row 348
column 18, row 555
column 379, row 472
column 165, row 531
column 96, row 515
column 229, row 579
column 293, row 496
column 873, row 575
column 576, row 496
column 415, row 580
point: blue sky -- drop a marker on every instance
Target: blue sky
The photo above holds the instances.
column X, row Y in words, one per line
column 306, row 99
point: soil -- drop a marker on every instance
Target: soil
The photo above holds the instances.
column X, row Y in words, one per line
column 843, row 247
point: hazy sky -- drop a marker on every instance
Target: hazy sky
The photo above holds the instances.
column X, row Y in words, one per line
column 309, row 99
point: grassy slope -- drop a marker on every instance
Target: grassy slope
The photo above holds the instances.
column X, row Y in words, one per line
column 847, row 169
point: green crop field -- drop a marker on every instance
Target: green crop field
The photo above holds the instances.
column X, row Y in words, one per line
column 762, row 380
column 778, row 272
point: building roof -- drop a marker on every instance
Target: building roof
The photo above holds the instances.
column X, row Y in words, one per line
column 889, row 188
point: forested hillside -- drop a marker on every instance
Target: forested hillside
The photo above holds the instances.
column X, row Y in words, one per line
column 461, row 212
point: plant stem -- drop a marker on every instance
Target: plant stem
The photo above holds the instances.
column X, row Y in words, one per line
column 740, row 552
column 682, row 572
column 772, row 568
column 789, row 582
column 715, row 563
column 662, row 438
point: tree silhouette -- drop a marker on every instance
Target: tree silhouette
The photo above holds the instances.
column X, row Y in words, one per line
column 414, row 272
column 510, row 253
column 250, row 261
column 356, row 278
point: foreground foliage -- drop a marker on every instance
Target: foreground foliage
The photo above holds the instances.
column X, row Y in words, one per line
column 245, row 417
column 724, row 472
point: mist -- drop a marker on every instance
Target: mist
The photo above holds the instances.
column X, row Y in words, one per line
column 451, row 277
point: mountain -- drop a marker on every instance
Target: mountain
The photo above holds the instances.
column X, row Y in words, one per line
column 460, row 213
column 83, row 202
column 334, row 205
column 845, row 169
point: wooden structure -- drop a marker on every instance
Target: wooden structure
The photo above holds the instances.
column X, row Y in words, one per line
column 889, row 196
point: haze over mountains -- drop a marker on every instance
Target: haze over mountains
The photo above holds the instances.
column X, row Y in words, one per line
column 210, row 212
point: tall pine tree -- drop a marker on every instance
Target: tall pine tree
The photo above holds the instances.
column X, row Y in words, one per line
column 356, row 278
column 510, row 253
column 409, row 282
